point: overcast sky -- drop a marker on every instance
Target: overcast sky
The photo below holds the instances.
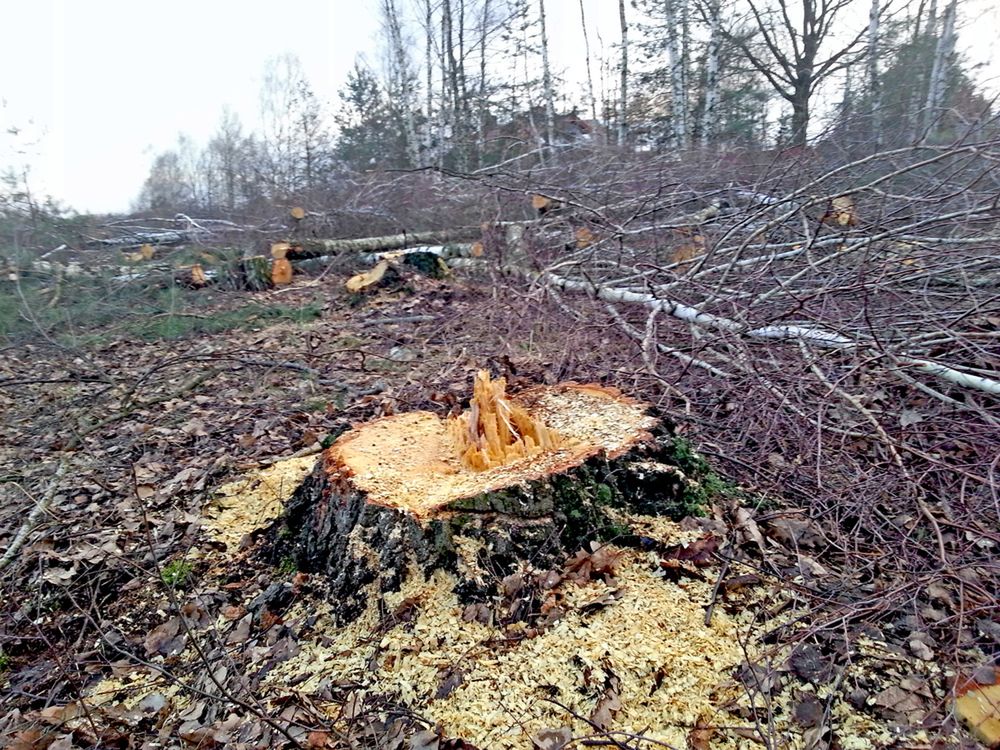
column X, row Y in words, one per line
column 98, row 87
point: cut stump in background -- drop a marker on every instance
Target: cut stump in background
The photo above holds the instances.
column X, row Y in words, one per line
column 514, row 481
column 393, row 272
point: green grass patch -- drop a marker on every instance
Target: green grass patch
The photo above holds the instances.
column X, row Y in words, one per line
column 92, row 312
column 175, row 574
column 180, row 324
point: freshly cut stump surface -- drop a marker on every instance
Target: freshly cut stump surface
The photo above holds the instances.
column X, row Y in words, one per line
column 527, row 479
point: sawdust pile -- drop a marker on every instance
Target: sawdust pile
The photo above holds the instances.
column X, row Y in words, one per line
column 255, row 500
column 641, row 635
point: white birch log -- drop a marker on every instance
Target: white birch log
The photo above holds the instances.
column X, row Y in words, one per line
column 785, row 332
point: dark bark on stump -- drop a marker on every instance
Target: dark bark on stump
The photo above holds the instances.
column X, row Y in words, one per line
column 363, row 548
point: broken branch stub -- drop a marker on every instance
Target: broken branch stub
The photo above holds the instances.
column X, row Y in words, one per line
column 515, row 481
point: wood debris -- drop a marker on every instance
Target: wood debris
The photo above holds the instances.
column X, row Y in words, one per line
column 254, row 501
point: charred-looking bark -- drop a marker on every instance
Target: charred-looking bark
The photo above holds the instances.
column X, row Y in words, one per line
column 515, row 481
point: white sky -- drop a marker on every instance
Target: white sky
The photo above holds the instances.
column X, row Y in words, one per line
column 98, row 87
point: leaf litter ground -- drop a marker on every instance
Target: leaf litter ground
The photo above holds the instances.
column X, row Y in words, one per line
column 143, row 615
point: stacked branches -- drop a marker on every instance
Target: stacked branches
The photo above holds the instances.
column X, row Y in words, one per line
column 833, row 328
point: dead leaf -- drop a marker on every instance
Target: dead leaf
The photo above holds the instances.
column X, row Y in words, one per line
column 60, row 576
column 552, row 739
column 899, row 700
column 738, row 583
column 166, row 639
column 317, row 740
column 241, row 632
column 600, row 561
column 940, row 593
column 748, row 527
column 608, row 704
column 809, row 664
column 425, row 740
column 231, row 612
column 194, row 427
column 920, row 649
column 808, row 711
column 794, row 533
column 57, row 715
column 700, row 552
column 451, row 679
column 700, row 737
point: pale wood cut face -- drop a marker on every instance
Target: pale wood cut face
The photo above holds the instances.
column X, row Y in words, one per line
column 413, row 461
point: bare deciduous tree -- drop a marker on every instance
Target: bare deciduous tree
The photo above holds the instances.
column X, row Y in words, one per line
column 792, row 54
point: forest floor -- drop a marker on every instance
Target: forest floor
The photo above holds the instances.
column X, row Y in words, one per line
column 126, row 622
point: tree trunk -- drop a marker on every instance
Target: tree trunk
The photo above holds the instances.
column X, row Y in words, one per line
column 874, row 84
column 800, row 116
column 550, row 110
column 398, row 497
column 678, row 92
column 586, row 51
column 623, row 104
column 401, row 79
column 939, row 72
column 711, row 73
column 311, row 248
column 482, row 93
column 429, row 65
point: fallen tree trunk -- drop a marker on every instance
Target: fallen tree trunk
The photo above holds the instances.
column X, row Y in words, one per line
column 310, row 248
column 165, row 238
column 514, row 483
column 808, row 334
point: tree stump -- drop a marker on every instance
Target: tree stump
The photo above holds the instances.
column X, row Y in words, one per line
column 517, row 481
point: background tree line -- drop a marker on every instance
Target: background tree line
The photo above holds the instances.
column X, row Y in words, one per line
column 468, row 84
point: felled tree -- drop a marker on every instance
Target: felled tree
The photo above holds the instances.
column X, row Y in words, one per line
column 514, row 481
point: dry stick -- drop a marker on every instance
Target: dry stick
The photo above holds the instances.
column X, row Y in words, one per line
column 663, row 348
column 41, row 507
column 400, row 320
column 790, row 199
column 167, row 674
column 715, row 593
column 865, row 242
